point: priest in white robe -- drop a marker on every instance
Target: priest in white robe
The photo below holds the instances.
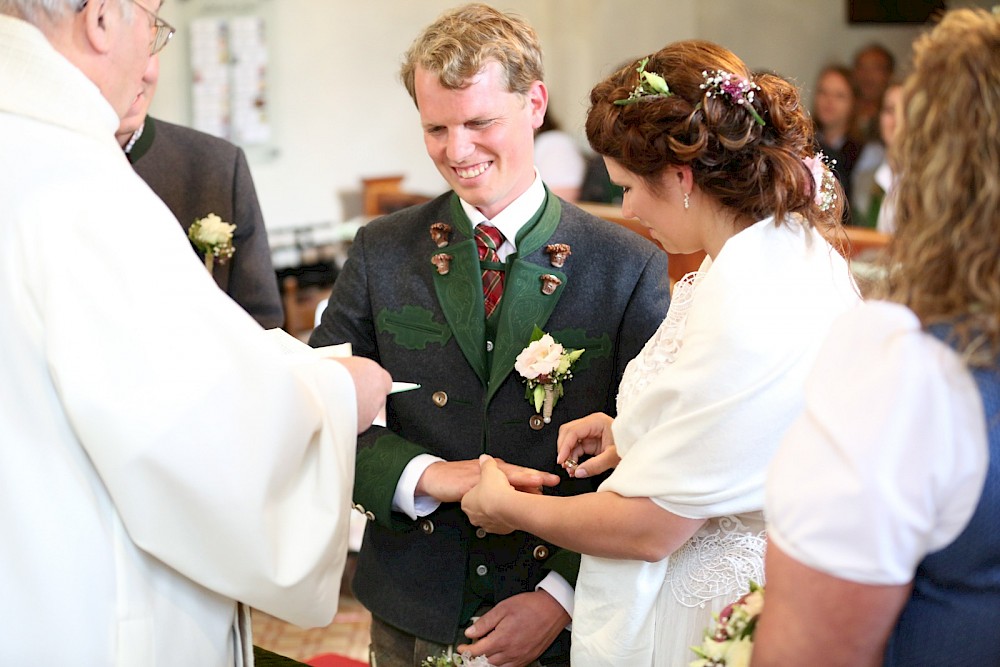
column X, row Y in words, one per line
column 163, row 466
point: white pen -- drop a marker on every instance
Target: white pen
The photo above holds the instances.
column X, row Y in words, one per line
column 403, row 386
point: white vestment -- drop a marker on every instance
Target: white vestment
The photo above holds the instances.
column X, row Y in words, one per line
column 160, row 458
column 700, row 412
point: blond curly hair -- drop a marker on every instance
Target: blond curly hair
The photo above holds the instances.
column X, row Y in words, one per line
column 945, row 256
column 464, row 40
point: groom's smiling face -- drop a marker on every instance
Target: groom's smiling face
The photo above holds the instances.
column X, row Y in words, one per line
column 481, row 137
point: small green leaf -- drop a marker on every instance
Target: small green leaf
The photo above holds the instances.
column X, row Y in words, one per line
column 656, row 82
column 539, row 396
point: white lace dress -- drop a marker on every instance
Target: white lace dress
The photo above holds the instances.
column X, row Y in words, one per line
column 700, row 412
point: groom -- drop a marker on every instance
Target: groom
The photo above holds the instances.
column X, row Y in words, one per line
column 411, row 296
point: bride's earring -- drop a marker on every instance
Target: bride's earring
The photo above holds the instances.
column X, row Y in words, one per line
column 687, row 201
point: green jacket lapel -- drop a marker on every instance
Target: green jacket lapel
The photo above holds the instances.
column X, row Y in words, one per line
column 524, row 305
column 460, row 292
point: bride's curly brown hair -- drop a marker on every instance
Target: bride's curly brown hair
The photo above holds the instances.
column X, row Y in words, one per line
column 945, row 255
column 755, row 171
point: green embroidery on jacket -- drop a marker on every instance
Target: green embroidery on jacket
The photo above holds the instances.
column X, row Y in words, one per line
column 413, row 327
column 575, row 339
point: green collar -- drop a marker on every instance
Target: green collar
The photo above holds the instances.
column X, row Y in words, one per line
column 531, row 236
column 144, row 142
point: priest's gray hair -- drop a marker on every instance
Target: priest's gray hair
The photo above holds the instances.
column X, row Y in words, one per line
column 34, row 11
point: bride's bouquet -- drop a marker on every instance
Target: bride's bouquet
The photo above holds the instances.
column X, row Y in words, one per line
column 731, row 642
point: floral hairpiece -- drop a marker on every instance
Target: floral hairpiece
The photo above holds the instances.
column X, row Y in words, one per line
column 650, row 85
column 822, row 173
column 739, row 90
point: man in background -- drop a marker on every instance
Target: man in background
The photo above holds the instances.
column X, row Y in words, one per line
column 196, row 174
column 162, row 461
column 872, row 70
column 447, row 294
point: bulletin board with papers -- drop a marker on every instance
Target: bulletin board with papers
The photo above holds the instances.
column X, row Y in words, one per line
column 229, row 71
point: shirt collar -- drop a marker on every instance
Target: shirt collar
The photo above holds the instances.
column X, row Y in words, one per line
column 135, row 138
column 510, row 220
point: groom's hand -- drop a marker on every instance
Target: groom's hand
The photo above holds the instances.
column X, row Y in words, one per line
column 517, row 630
column 448, row 481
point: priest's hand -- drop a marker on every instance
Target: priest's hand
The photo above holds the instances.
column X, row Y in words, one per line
column 517, row 630
column 588, row 435
column 372, row 384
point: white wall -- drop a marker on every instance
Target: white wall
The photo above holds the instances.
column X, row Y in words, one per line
column 340, row 114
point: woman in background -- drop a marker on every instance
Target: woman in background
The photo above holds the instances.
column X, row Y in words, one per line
column 888, row 553
column 833, row 114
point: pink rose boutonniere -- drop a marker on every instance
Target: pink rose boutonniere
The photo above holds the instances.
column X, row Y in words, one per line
column 545, row 365
column 731, row 643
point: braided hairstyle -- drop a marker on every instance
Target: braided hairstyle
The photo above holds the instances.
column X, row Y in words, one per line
column 754, row 171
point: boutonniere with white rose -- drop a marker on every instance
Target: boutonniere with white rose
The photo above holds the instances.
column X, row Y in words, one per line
column 545, row 365
column 451, row 658
column 731, row 643
column 213, row 238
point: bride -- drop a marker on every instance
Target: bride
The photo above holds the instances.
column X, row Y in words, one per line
column 712, row 158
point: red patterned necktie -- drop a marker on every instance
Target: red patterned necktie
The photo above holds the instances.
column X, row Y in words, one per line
column 488, row 239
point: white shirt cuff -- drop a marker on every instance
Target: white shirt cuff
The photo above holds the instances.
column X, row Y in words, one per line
column 405, row 499
column 555, row 585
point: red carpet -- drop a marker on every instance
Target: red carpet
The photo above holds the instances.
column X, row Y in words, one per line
column 334, row 660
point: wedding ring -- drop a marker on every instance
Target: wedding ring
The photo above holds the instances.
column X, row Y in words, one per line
column 570, row 463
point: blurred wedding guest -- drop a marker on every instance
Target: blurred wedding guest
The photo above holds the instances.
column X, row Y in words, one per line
column 559, row 160
column 447, row 294
column 164, row 465
column 872, row 176
column 196, row 174
column 597, row 186
column 712, row 158
column 833, row 114
column 883, row 504
column 871, row 72
column 882, row 209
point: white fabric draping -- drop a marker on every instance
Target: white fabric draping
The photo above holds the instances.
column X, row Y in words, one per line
column 701, row 412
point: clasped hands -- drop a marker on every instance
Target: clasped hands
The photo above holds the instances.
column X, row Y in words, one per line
column 484, row 500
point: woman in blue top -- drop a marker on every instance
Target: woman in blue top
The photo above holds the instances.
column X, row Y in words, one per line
column 884, row 497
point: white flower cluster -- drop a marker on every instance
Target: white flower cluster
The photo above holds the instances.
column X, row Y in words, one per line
column 451, row 659
column 212, row 236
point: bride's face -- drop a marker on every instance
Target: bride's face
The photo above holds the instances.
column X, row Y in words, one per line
column 660, row 210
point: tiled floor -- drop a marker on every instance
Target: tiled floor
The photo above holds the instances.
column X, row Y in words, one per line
column 347, row 635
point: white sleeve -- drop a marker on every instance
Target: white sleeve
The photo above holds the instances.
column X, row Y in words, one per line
column 888, row 460
column 404, row 499
column 560, row 163
column 227, row 460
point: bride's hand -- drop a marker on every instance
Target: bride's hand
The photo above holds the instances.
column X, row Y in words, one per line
column 588, row 435
column 484, row 502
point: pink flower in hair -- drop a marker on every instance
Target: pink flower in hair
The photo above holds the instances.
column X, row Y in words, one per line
column 824, row 194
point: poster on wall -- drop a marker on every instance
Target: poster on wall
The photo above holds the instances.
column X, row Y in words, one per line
column 229, row 93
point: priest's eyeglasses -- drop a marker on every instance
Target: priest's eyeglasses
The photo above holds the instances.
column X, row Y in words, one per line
column 161, row 30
